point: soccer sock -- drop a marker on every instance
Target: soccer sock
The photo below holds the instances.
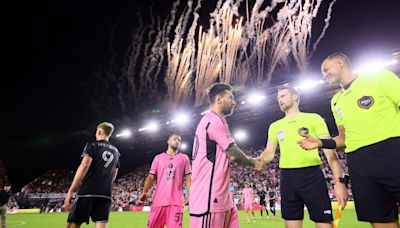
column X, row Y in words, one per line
column 261, row 212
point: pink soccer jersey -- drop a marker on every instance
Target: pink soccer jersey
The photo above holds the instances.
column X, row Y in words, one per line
column 209, row 191
column 170, row 171
column 248, row 195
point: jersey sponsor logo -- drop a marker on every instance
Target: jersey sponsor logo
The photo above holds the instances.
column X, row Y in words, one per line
column 365, row 102
column 170, row 172
column 281, row 135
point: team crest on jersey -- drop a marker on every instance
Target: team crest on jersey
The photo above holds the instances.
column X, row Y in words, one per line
column 365, row 102
column 281, row 135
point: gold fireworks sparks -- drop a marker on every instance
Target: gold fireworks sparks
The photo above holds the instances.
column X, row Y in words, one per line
column 233, row 49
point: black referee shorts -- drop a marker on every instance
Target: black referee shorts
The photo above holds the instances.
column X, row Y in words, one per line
column 305, row 186
column 83, row 208
column 263, row 203
column 375, row 180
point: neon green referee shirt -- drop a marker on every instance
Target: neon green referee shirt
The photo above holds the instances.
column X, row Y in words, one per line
column 368, row 109
column 286, row 132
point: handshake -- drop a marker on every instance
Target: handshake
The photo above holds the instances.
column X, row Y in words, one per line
column 259, row 164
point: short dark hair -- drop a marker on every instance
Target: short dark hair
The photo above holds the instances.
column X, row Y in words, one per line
column 341, row 56
column 174, row 133
column 217, row 89
column 291, row 90
column 107, row 127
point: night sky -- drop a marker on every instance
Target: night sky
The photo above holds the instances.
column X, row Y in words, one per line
column 53, row 46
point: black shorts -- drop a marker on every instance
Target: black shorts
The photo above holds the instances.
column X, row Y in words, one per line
column 263, row 203
column 271, row 203
column 305, row 186
column 375, row 180
column 98, row 208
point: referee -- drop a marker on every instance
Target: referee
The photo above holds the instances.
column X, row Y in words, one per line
column 367, row 115
column 301, row 180
column 94, row 177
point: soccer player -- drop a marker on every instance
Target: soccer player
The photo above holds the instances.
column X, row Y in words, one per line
column 272, row 201
column 301, row 180
column 247, row 199
column 210, row 202
column 170, row 168
column 263, row 203
column 95, row 177
column 367, row 115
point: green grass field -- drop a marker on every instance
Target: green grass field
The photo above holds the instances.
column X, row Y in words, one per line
column 139, row 219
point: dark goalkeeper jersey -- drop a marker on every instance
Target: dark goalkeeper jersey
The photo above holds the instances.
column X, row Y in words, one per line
column 261, row 194
column 98, row 180
column 272, row 196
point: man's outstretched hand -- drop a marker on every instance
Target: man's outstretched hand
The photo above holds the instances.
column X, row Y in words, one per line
column 309, row 142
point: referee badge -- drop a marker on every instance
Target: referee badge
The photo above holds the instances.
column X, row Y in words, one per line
column 281, row 135
column 365, row 102
column 303, row 131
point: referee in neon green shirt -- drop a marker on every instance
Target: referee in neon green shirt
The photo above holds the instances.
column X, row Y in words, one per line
column 367, row 116
column 301, row 180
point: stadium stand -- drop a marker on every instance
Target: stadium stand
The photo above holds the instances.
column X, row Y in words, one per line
column 48, row 191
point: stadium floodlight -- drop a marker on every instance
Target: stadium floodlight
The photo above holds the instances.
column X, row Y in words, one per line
column 375, row 65
column 183, row 146
column 205, row 112
column 152, row 126
column 240, row 135
column 181, row 119
column 255, row 98
column 308, row 84
column 125, row 134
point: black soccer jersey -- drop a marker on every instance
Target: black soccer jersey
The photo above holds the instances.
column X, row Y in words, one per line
column 261, row 195
column 98, row 180
column 271, row 195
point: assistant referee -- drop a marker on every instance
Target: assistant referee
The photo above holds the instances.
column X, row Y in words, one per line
column 367, row 115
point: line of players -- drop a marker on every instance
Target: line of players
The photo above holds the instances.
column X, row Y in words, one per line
column 367, row 114
column 248, row 200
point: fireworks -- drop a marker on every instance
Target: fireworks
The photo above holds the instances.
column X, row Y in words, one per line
column 234, row 49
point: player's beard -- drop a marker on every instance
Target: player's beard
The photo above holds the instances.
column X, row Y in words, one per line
column 174, row 147
column 286, row 107
column 228, row 110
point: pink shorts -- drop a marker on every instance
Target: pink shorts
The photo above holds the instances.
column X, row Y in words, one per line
column 248, row 206
column 168, row 215
column 227, row 219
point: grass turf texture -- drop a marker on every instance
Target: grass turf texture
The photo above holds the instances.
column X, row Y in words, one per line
column 139, row 219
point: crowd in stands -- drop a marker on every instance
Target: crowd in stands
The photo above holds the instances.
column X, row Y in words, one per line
column 128, row 187
column 53, row 181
